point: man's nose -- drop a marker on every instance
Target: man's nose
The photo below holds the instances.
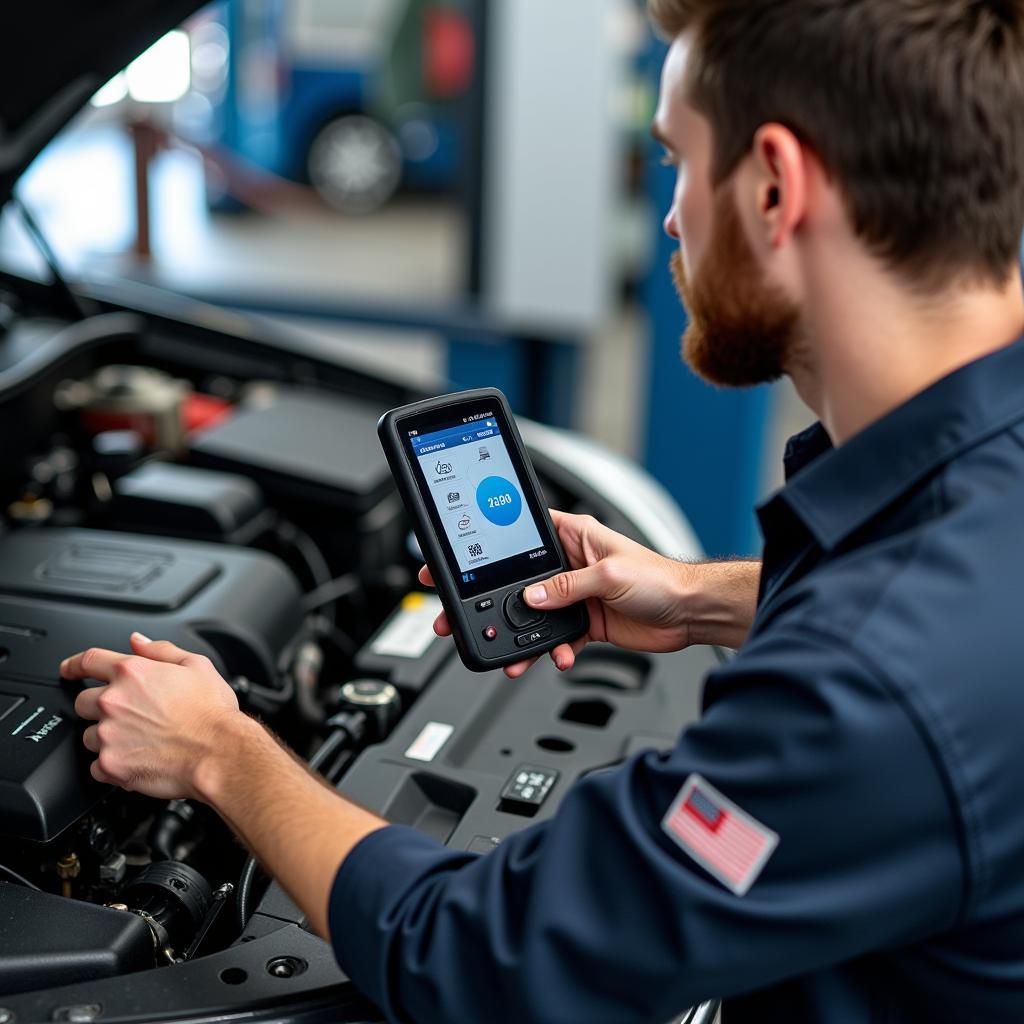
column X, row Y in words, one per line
column 669, row 224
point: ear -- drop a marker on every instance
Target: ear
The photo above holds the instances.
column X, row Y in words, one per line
column 779, row 180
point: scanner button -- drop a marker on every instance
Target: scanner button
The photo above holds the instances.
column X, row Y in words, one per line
column 526, row 639
column 519, row 614
column 490, row 633
column 485, row 605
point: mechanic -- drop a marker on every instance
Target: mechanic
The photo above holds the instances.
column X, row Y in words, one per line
column 840, row 838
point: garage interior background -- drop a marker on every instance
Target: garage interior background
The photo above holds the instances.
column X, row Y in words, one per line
column 461, row 190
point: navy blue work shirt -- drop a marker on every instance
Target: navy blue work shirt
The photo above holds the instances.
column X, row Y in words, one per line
column 874, row 721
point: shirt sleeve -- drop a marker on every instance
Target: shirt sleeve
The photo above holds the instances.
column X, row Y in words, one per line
column 598, row 915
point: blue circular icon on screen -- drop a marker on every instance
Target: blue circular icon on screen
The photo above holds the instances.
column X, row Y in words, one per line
column 499, row 501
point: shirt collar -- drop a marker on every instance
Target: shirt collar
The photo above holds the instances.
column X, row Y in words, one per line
column 834, row 491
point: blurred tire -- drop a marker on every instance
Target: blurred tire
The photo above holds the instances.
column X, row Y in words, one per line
column 355, row 164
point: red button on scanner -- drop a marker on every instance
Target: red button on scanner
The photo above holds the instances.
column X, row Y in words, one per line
column 490, row 632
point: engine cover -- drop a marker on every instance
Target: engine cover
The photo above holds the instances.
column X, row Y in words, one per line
column 49, row 941
column 64, row 590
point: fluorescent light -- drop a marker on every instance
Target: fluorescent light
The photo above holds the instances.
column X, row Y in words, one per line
column 113, row 92
column 163, row 73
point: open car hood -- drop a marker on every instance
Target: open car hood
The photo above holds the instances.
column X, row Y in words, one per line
column 56, row 55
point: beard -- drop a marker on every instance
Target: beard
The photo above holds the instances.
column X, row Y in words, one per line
column 743, row 329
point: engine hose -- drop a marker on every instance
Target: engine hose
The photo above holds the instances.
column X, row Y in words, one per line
column 330, row 592
column 168, row 827
column 20, row 879
column 261, row 697
column 337, row 739
column 309, row 661
column 244, row 892
column 301, row 542
column 338, row 765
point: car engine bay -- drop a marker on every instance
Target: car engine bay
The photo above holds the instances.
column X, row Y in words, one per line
column 227, row 493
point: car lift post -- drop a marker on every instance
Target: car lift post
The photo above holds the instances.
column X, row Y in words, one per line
column 145, row 145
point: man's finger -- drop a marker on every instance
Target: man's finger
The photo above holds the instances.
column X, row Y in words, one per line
column 91, row 739
column 576, row 646
column 563, row 656
column 159, row 650
column 567, row 588
column 424, row 577
column 87, row 703
column 100, row 775
column 95, row 663
column 520, row 667
column 441, row 625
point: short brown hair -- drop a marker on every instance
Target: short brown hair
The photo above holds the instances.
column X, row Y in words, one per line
column 915, row 107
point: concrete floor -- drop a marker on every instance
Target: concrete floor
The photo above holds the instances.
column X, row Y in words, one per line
column 81, row 191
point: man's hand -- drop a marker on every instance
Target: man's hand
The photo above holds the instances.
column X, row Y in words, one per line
column 638, row 599
column 159, row 716
column 169, row 726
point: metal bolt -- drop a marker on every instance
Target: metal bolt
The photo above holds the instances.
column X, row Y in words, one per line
column 83, row 1013
column 286, row 967
column 101, row 840
column 68, row 867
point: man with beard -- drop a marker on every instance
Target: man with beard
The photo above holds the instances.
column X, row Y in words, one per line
column 840, row 837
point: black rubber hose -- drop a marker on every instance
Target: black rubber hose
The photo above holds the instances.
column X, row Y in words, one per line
column 309, row 660
column 331, row 591
column 168, row 827
column 20, row 879
column 337, row 739
column 301, row 542
column 245, row 881
column 266, row 698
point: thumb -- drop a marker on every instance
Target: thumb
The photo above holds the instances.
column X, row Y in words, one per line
column 566, row 588
column 158, row 650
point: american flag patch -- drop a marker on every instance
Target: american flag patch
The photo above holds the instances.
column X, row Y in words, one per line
column 722, row 839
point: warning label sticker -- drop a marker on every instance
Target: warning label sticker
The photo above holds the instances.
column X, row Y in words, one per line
column 410, row 630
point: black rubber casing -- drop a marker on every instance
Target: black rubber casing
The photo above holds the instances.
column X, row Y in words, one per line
column 512, row 644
